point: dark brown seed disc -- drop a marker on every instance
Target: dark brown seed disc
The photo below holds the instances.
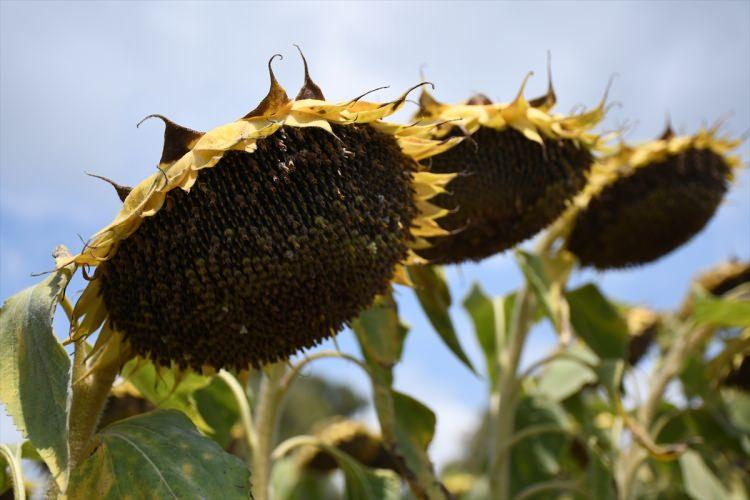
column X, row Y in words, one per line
column 646, row 215
column 509, row 189
column 270, row 252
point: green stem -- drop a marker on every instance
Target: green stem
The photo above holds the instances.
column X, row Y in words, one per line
column 631, row 461
column 266, row 417
column 16, row 472
column 87, row 402
column 503, row 400
column 246, row 416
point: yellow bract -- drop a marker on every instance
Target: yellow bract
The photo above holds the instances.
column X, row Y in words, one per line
column 626, row 160
column 535, row 122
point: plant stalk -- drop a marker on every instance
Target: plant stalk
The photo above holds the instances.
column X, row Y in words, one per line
column 246, row 416
column 14, row 464
column 266, row 417
column 673, row 363
column 87, row 402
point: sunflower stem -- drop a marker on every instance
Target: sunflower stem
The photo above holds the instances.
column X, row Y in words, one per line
column 630, row 462
column 89, row 396
column 246, row 416
column 504, row 396
column 266, row 416
column 14, row 465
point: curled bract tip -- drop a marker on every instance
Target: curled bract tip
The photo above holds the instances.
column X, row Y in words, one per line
column 310, row 89
column 178, row 140
column 548, row 100
column 668, row 131
column 521, row 90
column 276, row 97
column 122, row 191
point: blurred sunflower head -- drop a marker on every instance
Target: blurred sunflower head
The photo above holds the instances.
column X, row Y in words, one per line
column 519, row 167
column 720, row 279
column 644, row 201
column 642, row 324
column 351, row 437
column 262, row 236
column 738, row 376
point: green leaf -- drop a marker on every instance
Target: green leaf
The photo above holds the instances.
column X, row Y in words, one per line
column 414, row 420
column 482, row 312
column 34, row 369
column 219, row 410
column 700, row 481
column 158, row 455
column 166, row 388
column 363, row 483
column 435, row 298
column 597, row 322
column 727, row 312
column 380, row 333
column 564, row 377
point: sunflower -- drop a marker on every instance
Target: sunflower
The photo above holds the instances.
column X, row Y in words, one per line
column 262, row 236
column 518, row 169
column 644, row 201
column 351, row 437
column 716, row 281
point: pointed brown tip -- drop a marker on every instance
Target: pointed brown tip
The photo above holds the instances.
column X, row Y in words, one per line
column 309, row 90
column 276, row 97
column 549, row 99
column 668, row 132
column 178, row 140
column 122, row 191
column 479, row 99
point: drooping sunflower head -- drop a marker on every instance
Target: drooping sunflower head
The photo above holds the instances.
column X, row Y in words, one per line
column 519, row 167
column 262, row 236
column 718, row 280
column 644, row 201
column 351, row 437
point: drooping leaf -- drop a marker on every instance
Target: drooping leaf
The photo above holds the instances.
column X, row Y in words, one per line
column 434, row 296
column 414, row 420
column 380, row 333
column 480, row 308
column 168, row 388
column 700, row 482
column 158, row 455
column 34, row 369
column 726, row 311
column 597, row 322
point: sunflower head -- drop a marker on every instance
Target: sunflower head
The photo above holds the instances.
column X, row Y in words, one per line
column 642, row 324
column 262, row 236
column 351, row 437
column 717, row 281
column 518, row 169
column 739, row 374
column 644, row 201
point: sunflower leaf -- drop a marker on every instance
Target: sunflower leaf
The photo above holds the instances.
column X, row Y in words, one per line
column 168, row 389
column 434, row 296
column 700, row 481
column 34, row 369
column 597, row 322
column 158, row 455
column 482, row 312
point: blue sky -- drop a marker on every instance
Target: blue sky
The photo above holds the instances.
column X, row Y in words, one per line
column 75, row 78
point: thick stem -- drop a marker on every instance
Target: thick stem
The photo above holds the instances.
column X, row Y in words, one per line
column 503, row 400
column 266, row 418
column 87, row 402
